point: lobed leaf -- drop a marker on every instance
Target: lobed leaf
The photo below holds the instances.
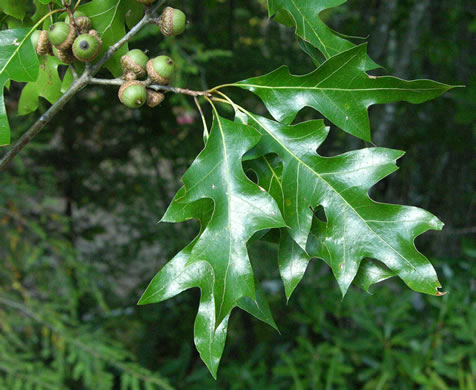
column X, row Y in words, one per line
column 48, row 86
column 340, row 90
column 217, row 260
column 304, row 14
column 356, row 227
column 292, row 259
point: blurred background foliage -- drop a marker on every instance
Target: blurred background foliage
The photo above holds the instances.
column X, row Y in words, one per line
column 79, row 238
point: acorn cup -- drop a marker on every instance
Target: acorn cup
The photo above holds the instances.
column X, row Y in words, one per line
column 133, row 64
column 86, row 47
column 62, row 35
column 41, row 43
column 65, row 56
column 133, row 94
column 172, row 22
column 160, row 69
column 154, row 98
column 82, row 21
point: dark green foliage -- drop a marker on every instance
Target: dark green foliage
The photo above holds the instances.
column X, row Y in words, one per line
column 78, row 231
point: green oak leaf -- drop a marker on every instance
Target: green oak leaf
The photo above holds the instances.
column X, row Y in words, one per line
column 217, row 260
column 370, row 273
column 304, row 14
column 292, row 259
column 48, row 86
column 108, row 17
column 340, row 90
column 14, row 8
column 18, row 62
column 357, row 227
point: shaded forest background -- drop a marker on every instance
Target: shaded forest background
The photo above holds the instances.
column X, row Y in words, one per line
column 79, row 238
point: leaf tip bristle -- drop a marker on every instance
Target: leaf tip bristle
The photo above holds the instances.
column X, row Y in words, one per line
column 440, row 293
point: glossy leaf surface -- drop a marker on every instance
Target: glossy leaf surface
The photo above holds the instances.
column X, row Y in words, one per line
column 18, row 62
column 340, row 90
column 304, row 14
column 356, row 227
column 292, row 259
column 231, row 208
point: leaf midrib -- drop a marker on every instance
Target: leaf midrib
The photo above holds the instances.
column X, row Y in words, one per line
column 227, row 168
column 336, row 89
column 334, row 190
column 305, row 21
column 14, row 53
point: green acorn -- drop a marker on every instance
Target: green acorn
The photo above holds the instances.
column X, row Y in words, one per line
column 133, row 94
column 65, row 56
column 160, row 69
column 41, row 43
column 133, row 64
column 81, row 20
column 154, row 98
column 86, row 47
column 62, row 35
column 172, row 22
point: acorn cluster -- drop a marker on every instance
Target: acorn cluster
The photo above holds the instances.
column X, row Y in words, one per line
column 71, row 40
column 74, row 40
column 137, row 66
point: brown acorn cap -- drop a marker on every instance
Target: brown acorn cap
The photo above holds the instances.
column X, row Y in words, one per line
column 154, row 98
column 127, row 84
column 154, row 76
column 130, row 66
column 65, row 56
column 166, row 22
column 83, row 23
column 95, row 34
column 69, row 40
column 129, row 76
column 44, row 46
column 146, row 2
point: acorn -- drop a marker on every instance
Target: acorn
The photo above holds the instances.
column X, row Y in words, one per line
column 133, row 94
column 82, row 21
column 160, row 69
column 65, row 56
column 62, row 35
column 133, row 64
column 154, row 98
column 146, row 2
column 86, row 47
column 172, row 22
column 41, row 43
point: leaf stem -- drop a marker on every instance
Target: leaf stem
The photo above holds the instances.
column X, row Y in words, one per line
column 215, row 89
column 206, row 133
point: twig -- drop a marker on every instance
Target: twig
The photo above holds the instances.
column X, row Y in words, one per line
column 148, row 84
column 77, row 86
